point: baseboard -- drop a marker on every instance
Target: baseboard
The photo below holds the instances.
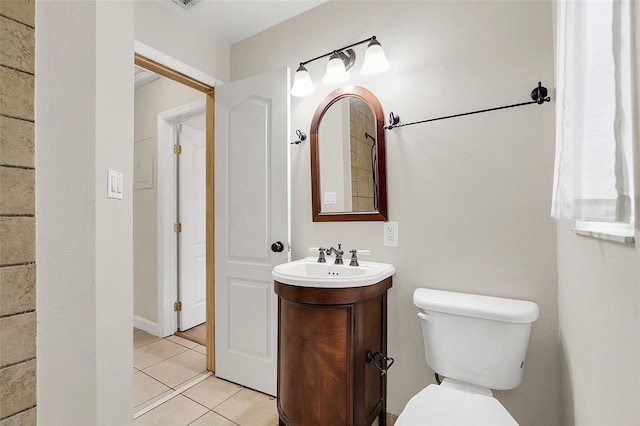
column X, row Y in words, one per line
column 146, row 325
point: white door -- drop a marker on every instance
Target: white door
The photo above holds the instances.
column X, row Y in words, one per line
column 192, row 214
column 251, row 214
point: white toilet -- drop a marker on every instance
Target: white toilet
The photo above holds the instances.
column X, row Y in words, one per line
column 478, row 343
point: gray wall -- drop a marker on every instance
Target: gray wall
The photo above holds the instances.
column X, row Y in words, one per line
column 84, row 126
column 471, row 195
column 599, row 305
column 84, row 109
column 599, row 301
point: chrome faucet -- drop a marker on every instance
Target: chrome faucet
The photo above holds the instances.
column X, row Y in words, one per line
column 338, row 252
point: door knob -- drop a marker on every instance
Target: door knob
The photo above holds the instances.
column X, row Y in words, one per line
column 277, row 247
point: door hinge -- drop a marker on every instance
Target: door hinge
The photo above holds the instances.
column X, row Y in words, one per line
column 177, row 306
column 177, row 149
column 177, row 227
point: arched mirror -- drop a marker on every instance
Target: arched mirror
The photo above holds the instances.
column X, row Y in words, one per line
column 348, row 178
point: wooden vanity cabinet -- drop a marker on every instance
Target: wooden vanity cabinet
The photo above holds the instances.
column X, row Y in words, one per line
column 324, row 335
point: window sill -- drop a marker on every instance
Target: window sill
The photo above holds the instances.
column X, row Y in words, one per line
column 623, row 236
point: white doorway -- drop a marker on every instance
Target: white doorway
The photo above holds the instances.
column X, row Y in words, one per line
column 191, row 194
column 171, row 208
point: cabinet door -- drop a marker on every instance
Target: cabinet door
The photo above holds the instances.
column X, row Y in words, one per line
column 315, row 378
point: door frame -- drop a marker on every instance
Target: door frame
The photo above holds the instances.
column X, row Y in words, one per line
column 167, row 203
column 165, row 66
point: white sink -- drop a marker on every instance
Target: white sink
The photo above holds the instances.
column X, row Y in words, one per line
column 308, row 272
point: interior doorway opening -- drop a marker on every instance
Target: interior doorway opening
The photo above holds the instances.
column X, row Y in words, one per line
column 167, row 306
column 190, row 190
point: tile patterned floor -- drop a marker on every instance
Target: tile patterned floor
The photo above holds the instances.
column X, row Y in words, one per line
column 164, row 365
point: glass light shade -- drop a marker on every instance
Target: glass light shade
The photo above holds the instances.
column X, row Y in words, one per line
column 336, row 71
column 375, row 61
column 302, row 84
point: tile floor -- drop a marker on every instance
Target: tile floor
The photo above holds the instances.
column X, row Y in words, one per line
column 160, row 366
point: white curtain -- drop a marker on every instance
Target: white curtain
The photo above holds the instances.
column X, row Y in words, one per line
column 594, row 118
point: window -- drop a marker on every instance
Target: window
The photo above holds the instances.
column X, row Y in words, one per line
column 593, row 180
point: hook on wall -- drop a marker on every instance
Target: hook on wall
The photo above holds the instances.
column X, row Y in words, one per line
column 393, row 119
column 302, row 136
column 539, row 94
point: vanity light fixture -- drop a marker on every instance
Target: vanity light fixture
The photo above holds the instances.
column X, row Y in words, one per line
column 375, row 61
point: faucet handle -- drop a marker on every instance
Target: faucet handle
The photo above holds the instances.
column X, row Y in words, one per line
column 321, row 258
column 321, row 252
column 354, row 258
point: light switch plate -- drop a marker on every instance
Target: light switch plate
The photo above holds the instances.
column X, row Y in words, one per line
column 115, row 183
column 330, row 198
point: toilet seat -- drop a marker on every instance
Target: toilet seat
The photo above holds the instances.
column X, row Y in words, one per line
column 445, row 405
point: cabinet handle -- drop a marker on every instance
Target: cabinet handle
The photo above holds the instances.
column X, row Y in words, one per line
column 383, row 360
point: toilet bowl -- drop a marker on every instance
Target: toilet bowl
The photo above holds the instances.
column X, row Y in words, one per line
column 448, row 404
column 478, row 343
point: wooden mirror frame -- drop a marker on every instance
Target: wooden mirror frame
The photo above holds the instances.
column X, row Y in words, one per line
column 373, row 103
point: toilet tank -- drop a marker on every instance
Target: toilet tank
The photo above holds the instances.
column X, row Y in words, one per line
column 481, row 340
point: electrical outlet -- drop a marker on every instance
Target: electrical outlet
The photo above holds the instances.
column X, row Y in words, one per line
column 390, row 234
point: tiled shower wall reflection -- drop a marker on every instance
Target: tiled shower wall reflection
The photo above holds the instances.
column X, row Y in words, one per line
column 362, row 183
column 17, row 214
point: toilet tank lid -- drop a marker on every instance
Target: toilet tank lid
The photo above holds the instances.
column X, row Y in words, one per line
column 476, row 305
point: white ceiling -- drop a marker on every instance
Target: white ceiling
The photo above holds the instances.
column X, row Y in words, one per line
column 236, row 20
